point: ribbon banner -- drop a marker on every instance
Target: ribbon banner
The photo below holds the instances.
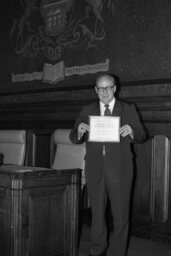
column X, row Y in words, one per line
column 54, row 73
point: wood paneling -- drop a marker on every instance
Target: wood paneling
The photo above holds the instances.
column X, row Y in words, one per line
column 39, row 211
column 42, row 111
column 160, row 178
column 142, row 180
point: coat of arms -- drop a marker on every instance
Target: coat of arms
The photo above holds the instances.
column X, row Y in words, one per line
column 53, row 26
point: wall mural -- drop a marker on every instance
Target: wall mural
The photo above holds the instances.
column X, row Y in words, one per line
column 46, row 31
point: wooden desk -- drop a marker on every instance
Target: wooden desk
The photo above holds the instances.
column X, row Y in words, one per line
column 38, row 211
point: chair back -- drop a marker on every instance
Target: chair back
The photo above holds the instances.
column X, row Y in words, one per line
column 13, row 146
column 67, row 154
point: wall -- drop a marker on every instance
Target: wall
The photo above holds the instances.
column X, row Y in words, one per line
column 136, row 39
column 137, row 42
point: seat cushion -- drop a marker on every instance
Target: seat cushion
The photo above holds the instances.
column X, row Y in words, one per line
column 67, row 154
column 13, row 146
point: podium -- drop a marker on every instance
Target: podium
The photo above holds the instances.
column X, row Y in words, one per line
column 39, row 211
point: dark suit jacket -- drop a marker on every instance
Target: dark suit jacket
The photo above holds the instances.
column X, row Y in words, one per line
column 117, row 163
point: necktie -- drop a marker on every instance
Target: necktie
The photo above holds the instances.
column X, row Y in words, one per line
column 107, row 110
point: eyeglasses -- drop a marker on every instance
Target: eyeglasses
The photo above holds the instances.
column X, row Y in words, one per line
column 105, row 89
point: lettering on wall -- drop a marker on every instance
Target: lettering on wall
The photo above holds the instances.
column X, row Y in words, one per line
column 54, row 73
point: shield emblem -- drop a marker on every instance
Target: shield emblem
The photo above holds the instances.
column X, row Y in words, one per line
column 54, row 13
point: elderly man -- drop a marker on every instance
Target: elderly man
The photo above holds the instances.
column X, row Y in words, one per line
column 108, row 167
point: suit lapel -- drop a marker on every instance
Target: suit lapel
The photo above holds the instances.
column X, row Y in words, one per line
column 96, row 109
column 117, row 111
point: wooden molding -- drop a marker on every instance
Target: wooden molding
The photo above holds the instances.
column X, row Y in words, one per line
column 50, row 107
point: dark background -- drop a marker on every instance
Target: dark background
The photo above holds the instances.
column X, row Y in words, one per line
column 137, row 42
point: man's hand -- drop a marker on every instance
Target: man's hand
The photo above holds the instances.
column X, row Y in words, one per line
column 126, row 130
column 82, row 128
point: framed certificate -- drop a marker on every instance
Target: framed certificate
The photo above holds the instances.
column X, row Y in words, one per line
column 104, row 128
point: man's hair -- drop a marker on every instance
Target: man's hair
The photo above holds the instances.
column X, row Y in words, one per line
column 107, row 76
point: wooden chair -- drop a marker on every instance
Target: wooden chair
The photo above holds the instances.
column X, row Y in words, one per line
column 13, row 146
column 66, row 155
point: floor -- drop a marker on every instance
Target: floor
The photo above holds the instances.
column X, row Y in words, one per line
column 138, row 246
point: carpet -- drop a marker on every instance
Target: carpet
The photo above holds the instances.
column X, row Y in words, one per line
column 138, row 246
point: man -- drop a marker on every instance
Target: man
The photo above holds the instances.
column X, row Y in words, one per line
column 108, row 167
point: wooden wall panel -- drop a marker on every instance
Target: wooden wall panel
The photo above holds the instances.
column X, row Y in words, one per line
column 169, row 203
column 42, row 111
column 42, row 148
column 142, row 180
column 160, row 178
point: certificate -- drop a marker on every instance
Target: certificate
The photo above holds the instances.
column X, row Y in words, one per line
column 104, row 128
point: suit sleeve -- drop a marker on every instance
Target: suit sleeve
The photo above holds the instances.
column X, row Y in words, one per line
column 139, row 133
column 74, row 132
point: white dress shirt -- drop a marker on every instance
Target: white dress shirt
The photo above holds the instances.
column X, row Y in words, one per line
column 103, row 108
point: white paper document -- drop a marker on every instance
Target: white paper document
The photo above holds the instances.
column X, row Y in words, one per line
column 104, row 128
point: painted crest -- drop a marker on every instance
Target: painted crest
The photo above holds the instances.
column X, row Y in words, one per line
column 50, row 27
column 54, row 14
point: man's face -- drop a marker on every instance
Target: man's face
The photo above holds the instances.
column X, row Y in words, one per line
column 105, row 90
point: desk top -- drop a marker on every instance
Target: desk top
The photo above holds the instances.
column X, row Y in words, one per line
column 18, row 177
column 19, row 169
column 13, row 168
